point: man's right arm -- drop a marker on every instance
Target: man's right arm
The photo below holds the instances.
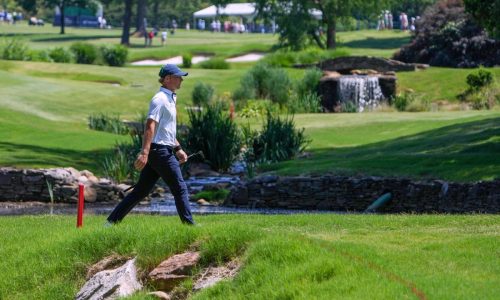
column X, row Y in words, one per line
column 142, row 158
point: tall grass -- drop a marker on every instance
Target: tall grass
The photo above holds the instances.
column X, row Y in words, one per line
column 108, row 123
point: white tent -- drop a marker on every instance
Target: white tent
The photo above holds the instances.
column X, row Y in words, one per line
column 233, row 9
column 237, row 9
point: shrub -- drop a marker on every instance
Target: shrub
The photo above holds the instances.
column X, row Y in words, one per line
column 119, row 166
column 212, row 131
column 187, row 60
column 202, row 94
column 14, row 49
column 447, row 36
column 280, row 59
column 103, row 122
column 309, row 83
column 418, row 105
column 307, row 103
column 348, row 107
column 115, row 56
column 265, row 82
column 215, row 63
column 278, row 140
column 401, row 101
column 84, row 53
column 258, row 108
column 39, row 55
column 479, row 79
column 60, row 55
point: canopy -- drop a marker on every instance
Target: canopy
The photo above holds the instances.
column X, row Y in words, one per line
column 233, row 9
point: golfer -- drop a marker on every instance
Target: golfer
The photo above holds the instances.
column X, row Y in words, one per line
column 159, row 150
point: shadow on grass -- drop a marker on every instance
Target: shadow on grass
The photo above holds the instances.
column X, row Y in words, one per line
column 386, row 43
column 70, row 37
column 462, row 152
column 21, row 155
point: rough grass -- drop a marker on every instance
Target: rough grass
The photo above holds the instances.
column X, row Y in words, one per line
column 292, row 257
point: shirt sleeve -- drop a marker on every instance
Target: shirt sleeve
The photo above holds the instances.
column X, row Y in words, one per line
column 155, row 110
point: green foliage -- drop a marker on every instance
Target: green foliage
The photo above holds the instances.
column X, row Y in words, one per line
column 305, row 103
column 104, row 122
column 84, row 53
column 419, row 104
column 348, row 107
column 39, row 55
column 258, row 108
column 119, row 165
column 202, row 94
column 60, row 55
column 265, row 82
column 403, row 100
column 478, row 80
column 115, row 56
column 485, row 13
column 212, row 196
column 310, row 82
column 187, row 60
column 14, row 49
column 213, row 132
column 281, row 58
column 215, row 63
column 312, row 55
column 279, row 140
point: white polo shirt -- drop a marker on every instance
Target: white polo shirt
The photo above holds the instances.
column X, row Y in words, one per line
column 162, row 111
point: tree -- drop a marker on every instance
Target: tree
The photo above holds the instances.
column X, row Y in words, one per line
column 126, row 23
column 61, row 4
column 294, row 17
column 485, row 13
column 141, row 14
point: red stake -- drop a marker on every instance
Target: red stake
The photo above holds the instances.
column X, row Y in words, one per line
column 79, row 217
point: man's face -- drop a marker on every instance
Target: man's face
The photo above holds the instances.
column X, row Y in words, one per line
column 176, row 81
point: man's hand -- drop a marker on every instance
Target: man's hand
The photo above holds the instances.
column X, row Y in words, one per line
column 141, row 161
column 182, row 156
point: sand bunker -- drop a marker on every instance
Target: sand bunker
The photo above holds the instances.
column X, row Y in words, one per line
column 197, row 59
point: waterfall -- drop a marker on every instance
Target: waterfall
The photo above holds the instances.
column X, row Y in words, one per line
column 363, row 91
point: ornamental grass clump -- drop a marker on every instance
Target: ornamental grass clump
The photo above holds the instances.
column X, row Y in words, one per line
column 279, row 140
column 213, row 132
column 104, row 122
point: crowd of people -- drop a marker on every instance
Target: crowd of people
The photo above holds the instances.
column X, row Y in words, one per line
column 227, row 26
column 10, row 17
column 386, row 21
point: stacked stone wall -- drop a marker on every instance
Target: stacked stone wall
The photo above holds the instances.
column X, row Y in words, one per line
column 34, row 185
column 340, row 193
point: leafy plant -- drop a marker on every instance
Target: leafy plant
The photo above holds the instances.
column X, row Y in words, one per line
column 187, row 60
column 348, row 107
column 279, row 140
column 212, row 131
column 60, row 55
column 104, row 122
column 212, row 196
column 215, row 63
column 115, row 56
column 202, row 94
column 14, row 49
column 84, row 53
column 308, row 103
column 119, row 165
column 478, row 80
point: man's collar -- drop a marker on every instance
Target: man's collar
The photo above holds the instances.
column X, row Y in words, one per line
column 165, row 90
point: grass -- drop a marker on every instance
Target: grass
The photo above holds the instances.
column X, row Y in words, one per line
column 365, row 42
column 460, row 146
column 284, row 257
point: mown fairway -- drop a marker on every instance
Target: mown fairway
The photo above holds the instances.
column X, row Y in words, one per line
column 284, row 257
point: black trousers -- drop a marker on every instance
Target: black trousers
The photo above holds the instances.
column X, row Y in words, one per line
column 161, row 163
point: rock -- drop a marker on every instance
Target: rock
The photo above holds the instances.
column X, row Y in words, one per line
column 82, row 179
column 111, row 284
column 201, row 170
column 345, row 64
column 89, row 194
column 160, row 295
column 86, row 173
column 109, row 262
column 213, row 275
column 174, row 270
column 331, row 74
column 203, row 202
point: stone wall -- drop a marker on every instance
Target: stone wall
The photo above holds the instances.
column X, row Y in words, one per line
column 33, row 185
column 340, row 193
column 345, row 64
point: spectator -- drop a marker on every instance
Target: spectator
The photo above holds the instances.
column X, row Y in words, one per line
column 164, row 37
column 151, row 35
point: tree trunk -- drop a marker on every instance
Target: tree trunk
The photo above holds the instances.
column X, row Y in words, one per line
column 141, row 14
column 155, row 13
column 61, row 6
column 126, row 23
column 330, row 34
